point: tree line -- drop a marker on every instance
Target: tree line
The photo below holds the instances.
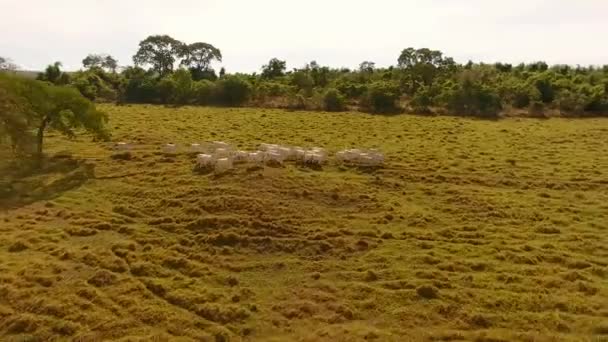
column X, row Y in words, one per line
column 169, row 71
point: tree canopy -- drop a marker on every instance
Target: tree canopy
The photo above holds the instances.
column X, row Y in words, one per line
column 103, row 61
column 159, row 51
column 31, row 107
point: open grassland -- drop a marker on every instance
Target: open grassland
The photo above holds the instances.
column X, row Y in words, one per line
column 474, row 230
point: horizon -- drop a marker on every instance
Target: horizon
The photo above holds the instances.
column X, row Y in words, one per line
column 520, row 31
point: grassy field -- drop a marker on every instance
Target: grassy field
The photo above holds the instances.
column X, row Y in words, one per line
column 474, row 230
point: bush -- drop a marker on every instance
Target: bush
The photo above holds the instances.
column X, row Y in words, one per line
column 266, row 89
column 233, row 91
column 167, row 90
column 422, row 100
column 472, row 97
column 351, row 89
column 203, row 92
column 381, row 97
column 333, row 100
column 94, row 85
column 519, row 93
column 297, row 101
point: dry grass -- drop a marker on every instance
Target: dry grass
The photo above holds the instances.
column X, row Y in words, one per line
column 475, row 230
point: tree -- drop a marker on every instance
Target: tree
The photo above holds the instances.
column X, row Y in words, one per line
column 367, row 67
column 14, row 127
column 46, row 106
column 7, row 65
column 183, row 86
column 222, row 72
column 103, row 61
column 53, row 74
column 159, row 51
column 471, row 96
column 233, row 90
column 382, row 97
column 110, row 63
column 333, row 100
column 274, row 68
column 198, row 57
column 303, row 81
column 424, row 66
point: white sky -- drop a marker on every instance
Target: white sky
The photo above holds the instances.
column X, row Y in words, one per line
column 34, row 33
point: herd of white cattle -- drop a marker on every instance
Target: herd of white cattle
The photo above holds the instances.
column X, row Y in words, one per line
column 221, row 157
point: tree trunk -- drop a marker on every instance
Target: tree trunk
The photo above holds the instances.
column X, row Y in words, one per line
column 40, row 136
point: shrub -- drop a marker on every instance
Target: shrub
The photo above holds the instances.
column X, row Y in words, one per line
column 422, row 100
column 381, row 97
column 472, row 97
column 297, row 101
column 203, row 92
column 233, row 91
column 333, row 100
column 167, row 90
column 351, row 89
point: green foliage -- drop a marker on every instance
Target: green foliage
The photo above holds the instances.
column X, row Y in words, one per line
column 167, row 90
column 544, row 84
column 203, row 92
column 275, row 68
column 7, row 65
column 159, row 51
column 183, row 86
column 269, row 89
column 422, row 100
column 42, row 106
column 430, row 80
column 519, row 94
column 140, row 87
column 103, row 61
column 198, row 57
column 333, row 100
column 96, row 84
column 303, row 81
column 470, row 96
column 351, row 89
column 381, row 97
column 53, row 74
column 233, row 91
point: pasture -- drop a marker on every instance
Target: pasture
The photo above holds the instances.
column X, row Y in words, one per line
column 473, row 230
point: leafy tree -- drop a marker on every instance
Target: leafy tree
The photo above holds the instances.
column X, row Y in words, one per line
column 62, row 109
column 14, row 126
column 233, row 91
column 167, row 90
column 422, row 100
column 203, row 92
column 367, row 67
column 274, row 68
column 222, row 72
column 423, row 66
column 7, row 65
column 303, row 81
column 159, row 51
column 198, row 57
column 104, row 61
column 470, row 96
column 53, row 74
column 333, row 100
column 382, row 97
column 183, row 86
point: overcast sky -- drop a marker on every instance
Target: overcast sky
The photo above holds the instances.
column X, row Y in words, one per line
column 34, row 33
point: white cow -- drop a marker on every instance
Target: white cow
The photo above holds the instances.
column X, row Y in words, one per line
column 222, row 165
column 204, row 160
